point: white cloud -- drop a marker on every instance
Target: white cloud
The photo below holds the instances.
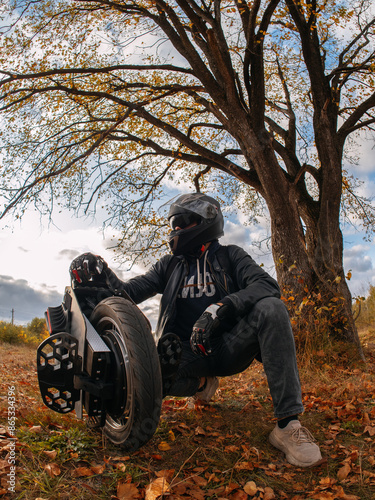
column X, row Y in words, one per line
column 235, row 234
column 356, row 259
column 37, row 275
column 359, row 260
column 367, row 189
column 23, row 302
column 38, row 259
column 254, row 239
column 362, row 148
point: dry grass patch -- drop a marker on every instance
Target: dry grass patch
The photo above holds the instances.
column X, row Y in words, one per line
column 218, row 451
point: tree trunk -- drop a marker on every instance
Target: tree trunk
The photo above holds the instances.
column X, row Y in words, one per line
column 309, row 257
column 311, row 276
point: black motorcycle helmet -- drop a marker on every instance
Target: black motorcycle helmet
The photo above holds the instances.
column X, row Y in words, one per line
column 200, row 220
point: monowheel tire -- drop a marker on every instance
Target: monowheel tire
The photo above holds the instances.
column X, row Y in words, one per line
column 134, row 412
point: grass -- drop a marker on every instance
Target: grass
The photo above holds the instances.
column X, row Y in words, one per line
column 207, row 452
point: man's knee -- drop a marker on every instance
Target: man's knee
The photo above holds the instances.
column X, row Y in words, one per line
column 268, row 314
column 270, row 309
column 270, row 304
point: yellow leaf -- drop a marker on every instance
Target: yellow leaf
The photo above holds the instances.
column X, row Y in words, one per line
column 120, row 466
column 245, row 466
column 268, row 493
column 156, row 488
column 238, row 495
column 344, row 471
column 52, row 470
column 82, row 472
column 166, row 474
column 127, row 491
column 164, row 446
column 366, row 419
column 250, row 488
column 98, row 469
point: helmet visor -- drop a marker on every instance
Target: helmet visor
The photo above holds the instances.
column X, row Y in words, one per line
column 182, row 221
column 198, row 204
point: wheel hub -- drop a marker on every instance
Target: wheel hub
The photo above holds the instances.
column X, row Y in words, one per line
column 117, row 405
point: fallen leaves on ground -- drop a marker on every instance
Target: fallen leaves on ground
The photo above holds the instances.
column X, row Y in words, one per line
column 156, row 488
column 216, row 451
column 52, row 470
column 127, row 491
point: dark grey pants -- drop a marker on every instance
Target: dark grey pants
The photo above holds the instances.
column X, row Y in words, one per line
column 265, row 331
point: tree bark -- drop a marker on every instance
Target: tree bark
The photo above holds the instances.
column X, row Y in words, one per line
column 307, row 245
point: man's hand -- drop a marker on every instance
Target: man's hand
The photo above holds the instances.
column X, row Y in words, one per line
column 206, row 327
column 86, row 269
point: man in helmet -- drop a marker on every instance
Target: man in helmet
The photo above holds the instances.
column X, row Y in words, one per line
column 219, row 311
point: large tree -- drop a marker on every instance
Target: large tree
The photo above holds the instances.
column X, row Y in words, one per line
column 114, row 99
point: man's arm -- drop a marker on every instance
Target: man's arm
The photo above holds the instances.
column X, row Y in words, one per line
column 253, row 282
column 92, row 269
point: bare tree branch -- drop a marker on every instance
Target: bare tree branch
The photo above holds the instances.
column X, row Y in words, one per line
column 40, row 180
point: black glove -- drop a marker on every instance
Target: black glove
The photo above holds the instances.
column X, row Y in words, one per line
column 87, row 269
column 207, row 327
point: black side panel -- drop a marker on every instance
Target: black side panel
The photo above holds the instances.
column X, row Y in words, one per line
column 57, row 361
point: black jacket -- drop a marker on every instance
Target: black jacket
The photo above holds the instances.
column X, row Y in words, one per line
column 247, row 284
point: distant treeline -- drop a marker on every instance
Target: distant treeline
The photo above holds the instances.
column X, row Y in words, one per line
column 32, row 333
column 366, row 310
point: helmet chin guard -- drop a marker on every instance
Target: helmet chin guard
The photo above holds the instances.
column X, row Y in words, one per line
column 209, row 226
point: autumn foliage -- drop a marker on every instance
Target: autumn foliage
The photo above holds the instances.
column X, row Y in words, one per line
column 318, row 319
column 220, row 451
column 32, row 333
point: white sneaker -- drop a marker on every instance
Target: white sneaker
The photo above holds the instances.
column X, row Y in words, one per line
column 212, row 383
column 297, row 443
column 205, row 396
